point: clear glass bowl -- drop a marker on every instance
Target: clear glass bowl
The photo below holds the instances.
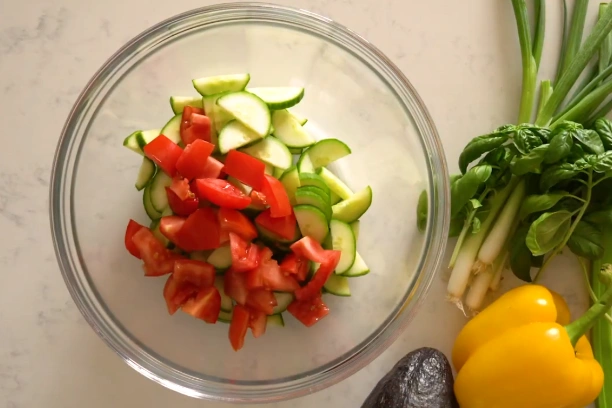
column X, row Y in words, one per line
column 354, row 93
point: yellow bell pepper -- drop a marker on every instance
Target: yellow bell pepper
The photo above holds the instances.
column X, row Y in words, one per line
column 521, row 351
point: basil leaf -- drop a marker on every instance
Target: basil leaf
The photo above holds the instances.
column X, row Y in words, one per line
column 557, row 173
column 602, row 163
column 600, row 217
column 422, row 211
column 464, row 188
column 475, row 203
column 589, row 140
column 540, row 202
column 525, row 139
column 520, row 256
column 604, row 128
column 560, row 147
column 586, row 241
column 530, row 163
column 548, row 231
column 477, row 147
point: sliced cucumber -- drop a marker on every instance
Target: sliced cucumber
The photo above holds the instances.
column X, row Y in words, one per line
column 201, row 256
column 291, row 181
column 297, row 151
column 226, row 301
column 343, row 240
column 304, row 164
column 225, row 317
column 275, row 320
column 359, row 268
column 172, row 129
column 131, row 142
column 269, row 169
column 250, row 110
column 234, row 135
column 145, row 174
column 144, row 137
column 221, row 258
column 312, row 222
column 167, row 211
column 278, row 173
column 350, row 210
column 313, row 179
column 279, row 97
column 335, row 184
column 178, row 103
column 355, row 228
column 210, row 104
column 148, row 206
column 327, row 151
column 337, row 285
column 301, row 120
column 318, row 191
column 154, row 227
column 272, row 151
column 289, row 131
column 158, row 185
column 237, row 183
column 306, row 197
column 282, row 302
column 334, row 198
column 221, row 83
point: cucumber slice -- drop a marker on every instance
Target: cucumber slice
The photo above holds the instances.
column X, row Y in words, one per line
column 334, row 198
column 178, row 103
column 335, row 184
column 327, row 151
column 201, row 256
column 355, row 228
column 145, row 174
column 316, row 190
column 275, row 320
column 279, row 97
column 144, row 137
column 305, row 197
column 297, row 151
column 312, row 222
column 289, row 131
column 313, row 179
column 225, row 317
column 301, row 120
column 350, row 210
column 343, row 240
column 221, row 83
column 304, row 164
column 247, row 109
column 209, row 103
column 278, row 172
column 132, row 143
column 337, row 285
column 235, row 135
column 226, row 301
column 359, row 268
column 240, row 185
column 154, row 227
column 282, row 302
column 269, row 169
column 271, row 151
column 167, row 211
column 221, row 258
column 172, row 129
column 291, row 181
column 148, row 206
column 159, row 198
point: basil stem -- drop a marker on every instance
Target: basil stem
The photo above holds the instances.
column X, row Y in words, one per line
column 540, row 30
column 530, row 69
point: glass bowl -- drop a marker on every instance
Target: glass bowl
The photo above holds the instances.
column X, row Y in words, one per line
column 354, row 93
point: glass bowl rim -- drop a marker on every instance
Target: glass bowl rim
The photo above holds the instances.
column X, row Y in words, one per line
column 365, row 352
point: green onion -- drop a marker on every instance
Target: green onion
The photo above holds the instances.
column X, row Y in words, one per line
column 601, row 335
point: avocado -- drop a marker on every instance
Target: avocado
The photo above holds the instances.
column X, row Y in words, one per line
column 422, row 379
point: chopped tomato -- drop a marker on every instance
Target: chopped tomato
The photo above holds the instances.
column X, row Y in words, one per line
column 276, row 196
column 257, row 322
column 262, row 300
column 245, row 256
column 245, row 168
column 206, row 305
column 308, row 311
column 200, row 231
column 193, row 160
column 198, row 273
column 238, row 326
column 186, row 117
column 313, row 288
column 295, row 265
column 258, row 199
column 180, row 187
column 224, row 236
column 265, row 254
column 236, row 222
column 284, row 227
column 170, row 225
column 157, row 259
column 222, row 193
column 176, row 293
column 212, row 169
column 234, row 285
column 198, row 130
column 164, row 152
column 181, row 207
column 311, row 249
column 274, row 279
column 132, row 228
column 254, row 279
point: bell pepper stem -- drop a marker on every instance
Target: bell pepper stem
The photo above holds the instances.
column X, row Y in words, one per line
column 580, row 326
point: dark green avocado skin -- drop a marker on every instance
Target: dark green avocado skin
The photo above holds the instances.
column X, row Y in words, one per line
column 422, row 379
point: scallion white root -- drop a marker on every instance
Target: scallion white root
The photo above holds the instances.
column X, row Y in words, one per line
column 478, row 289
column 499, row 270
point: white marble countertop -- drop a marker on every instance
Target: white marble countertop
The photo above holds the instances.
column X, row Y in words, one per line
column 464, row 62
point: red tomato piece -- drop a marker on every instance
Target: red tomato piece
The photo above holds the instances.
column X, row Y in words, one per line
column 186, row 116
column 206, row 305
column 157, row 259
column 258, row 199
column 284, row 227
column 257, row 322
column 177, row 293
column 262, row 300
column 213, row 168
column 245, row 256
column 164, row 152
column 170, row 225
column 224, row 237
column 222, row 193
column 182, row 207
column 132, row 228
column 180, row 187
column 274, row 279
column 313, row 288
column 245, row 168
column 198, row 273
column 198, row 130
column 236, row 222
column 308, row 311
column 295, row 265
column 193, row 160
column 234, row 285
column 311, row 249
column 200, row 231
column 254, row 279
column 238, row 326
column 277, row 197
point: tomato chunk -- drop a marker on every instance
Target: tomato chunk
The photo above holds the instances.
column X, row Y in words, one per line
column 245, row 256
column 180, row 187
column 164, row 152
column 274, row 279
column 200, row 231
column 156, row 257
column 186, row 117
column 245, row 168
column 276, row 196
column 132, row 228
column 212, row 169
column 257, row 322
column 308, row 311
column 238, row 326
column 311, row 249
column 199, row 129
column 258, row 199
column 295, row 265
column 177, row 293
column 313, row 288
column 170, row 225
column 193, row 160
column 198, row 273
column 234, row 285
column 222, row 193
column 206, row 305
column 236, row 222
column 284, row 227
column 181, row 207
column 262, row 300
